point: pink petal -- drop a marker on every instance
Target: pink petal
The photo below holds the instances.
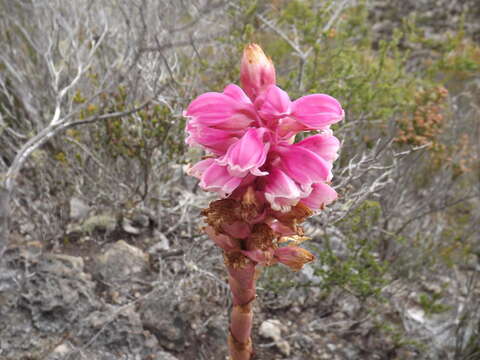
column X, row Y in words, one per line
column 274, row 104
column 217, row 178
column 288, row 127
column 281, row 191
column 199, row 168
column 325, row 145
column 317, row 111
column 236, row 93
column 246, row 155
column 303, row 165
column 215, row 140
column 321, row 195
column 221, row 111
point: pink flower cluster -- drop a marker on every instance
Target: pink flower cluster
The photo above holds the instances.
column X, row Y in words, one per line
column 250, row 134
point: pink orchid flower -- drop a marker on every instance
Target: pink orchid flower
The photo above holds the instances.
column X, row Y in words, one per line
column 269, row 182
column 256, row 139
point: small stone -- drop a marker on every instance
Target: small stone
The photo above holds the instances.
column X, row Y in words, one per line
column 161, row 245
column 115, row 296
column 271, row 329
column 433, row 288
column 417, row 314
column 84, row 239
column 308, row 273
column 26, row 228
column 331, row 347
column 141, row 220
column 128, row 227
column 102, row 222
column 62, row 349
column 78, row 209
column 350, row 305
column 60, row 352
column 120, row 262
column 162, row 355
column 284, row 347
column 296, row 310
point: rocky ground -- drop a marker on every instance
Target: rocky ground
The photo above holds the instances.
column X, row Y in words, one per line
column 119, row 288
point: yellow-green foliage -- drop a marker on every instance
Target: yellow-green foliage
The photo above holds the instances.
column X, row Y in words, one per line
column 358, row 270
column 135, row 136
column 431, row 303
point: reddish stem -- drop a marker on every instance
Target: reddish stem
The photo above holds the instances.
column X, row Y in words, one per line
column 242, row 284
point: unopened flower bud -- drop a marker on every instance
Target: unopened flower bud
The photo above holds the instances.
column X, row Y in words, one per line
column 293, row 256
column 256, row 71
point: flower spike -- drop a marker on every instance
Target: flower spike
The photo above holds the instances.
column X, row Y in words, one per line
column 269, row 183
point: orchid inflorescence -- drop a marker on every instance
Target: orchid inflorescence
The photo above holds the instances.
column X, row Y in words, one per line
column 269, row 184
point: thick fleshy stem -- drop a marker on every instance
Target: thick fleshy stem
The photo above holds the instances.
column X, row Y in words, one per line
column 243, row 228
column 241, row 278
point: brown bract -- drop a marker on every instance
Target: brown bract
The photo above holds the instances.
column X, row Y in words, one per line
column 235, row 260
column 298, row 214
column 224, row 211
column 263, row 237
